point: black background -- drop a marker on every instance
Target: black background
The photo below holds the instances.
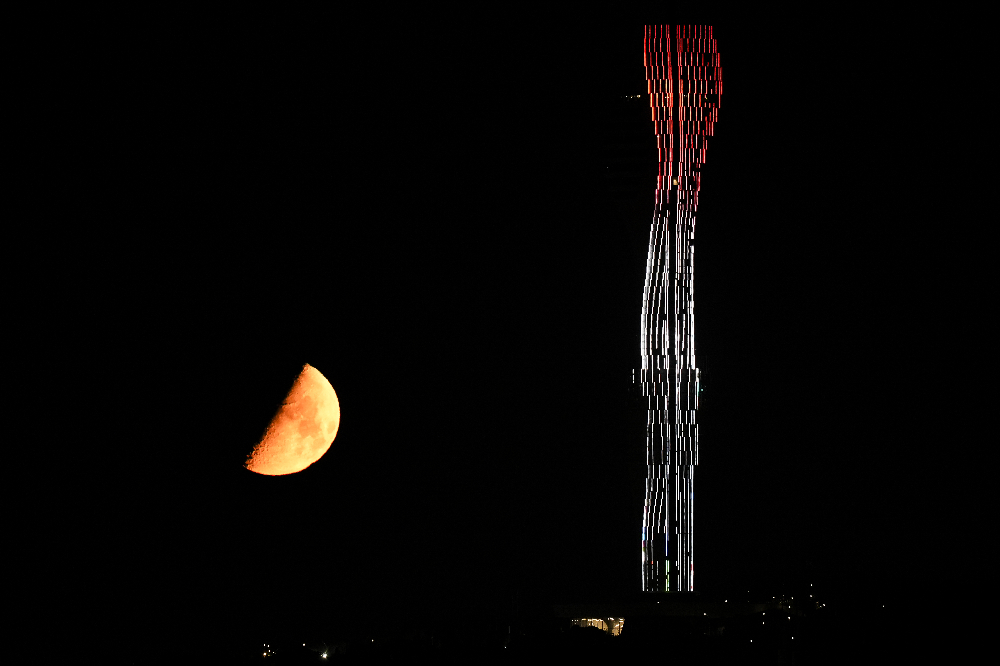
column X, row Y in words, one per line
column 450, row 222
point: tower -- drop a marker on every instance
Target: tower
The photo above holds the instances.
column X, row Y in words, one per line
column 684, row 81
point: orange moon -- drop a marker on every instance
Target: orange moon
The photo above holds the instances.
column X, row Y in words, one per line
column 302, row 429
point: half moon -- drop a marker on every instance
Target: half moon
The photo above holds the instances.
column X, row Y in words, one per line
column 302, row 429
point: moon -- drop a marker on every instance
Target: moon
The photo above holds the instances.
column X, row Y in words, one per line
column 302, row 429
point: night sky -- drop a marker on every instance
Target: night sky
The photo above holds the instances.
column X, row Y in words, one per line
column 452, row 226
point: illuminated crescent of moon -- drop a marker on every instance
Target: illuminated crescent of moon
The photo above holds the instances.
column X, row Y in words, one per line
column 302, row 429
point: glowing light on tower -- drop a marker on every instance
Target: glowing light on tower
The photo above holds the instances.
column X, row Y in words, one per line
column 684, row 82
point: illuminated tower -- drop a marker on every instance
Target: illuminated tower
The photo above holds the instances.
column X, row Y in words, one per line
column 684, row 81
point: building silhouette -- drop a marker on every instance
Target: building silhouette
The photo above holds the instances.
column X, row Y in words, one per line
column 684, row 81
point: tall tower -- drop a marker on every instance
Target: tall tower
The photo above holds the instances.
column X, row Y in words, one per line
column 684, row 81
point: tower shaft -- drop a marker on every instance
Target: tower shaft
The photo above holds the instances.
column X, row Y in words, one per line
column 684, row 83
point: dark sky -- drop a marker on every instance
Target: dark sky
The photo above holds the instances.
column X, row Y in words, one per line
column 451, row 225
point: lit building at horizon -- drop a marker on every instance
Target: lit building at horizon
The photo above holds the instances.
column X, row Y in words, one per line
column 684, row 82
